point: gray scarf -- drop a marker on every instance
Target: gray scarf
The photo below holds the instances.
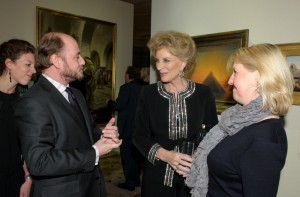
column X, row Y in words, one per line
column 232, row 120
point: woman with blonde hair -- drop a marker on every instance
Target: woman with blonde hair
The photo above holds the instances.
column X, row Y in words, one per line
column 244, row 154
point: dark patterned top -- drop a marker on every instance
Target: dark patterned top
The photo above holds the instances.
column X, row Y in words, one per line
column 163, row 121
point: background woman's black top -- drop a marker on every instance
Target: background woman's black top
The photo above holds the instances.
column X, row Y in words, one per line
column 11, row 169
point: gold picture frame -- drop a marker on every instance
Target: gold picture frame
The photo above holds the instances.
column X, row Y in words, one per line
column 210, row 69
column 292, row 53
column 97, row 43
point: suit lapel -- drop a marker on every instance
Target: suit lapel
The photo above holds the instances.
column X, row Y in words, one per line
column 59, row 99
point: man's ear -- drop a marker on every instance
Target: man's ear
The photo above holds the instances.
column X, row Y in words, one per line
column 55, row 60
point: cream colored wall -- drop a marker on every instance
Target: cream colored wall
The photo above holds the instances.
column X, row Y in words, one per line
column 273, row 21
column 18, row 20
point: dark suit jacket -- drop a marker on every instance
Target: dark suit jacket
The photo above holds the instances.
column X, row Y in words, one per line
column 126, row 104
column 56, row 144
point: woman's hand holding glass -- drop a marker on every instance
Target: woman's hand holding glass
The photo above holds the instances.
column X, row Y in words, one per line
column 187, row 149
column 180, row 162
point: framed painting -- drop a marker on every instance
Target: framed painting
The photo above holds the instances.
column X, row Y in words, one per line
column 292, row 53
column 96, row 40
column 214, row 51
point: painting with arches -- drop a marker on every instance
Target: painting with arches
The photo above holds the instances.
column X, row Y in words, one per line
column 96, row 40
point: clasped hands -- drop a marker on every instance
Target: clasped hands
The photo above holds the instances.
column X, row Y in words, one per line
column 109, row 139
column 181, row 163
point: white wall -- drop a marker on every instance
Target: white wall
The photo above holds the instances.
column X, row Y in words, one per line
column 18, row 20
column 273, row 21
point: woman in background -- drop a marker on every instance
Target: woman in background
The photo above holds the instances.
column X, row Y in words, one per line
column 244, row 154
column 169, row 112
column 16, row 67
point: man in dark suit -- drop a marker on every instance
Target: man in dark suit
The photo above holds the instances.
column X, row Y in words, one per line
column 126, row 104
column 60, row 142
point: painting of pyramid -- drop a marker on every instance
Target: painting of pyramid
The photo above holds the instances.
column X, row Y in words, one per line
column 214, row 51
column 210, row 69
column 214, row 85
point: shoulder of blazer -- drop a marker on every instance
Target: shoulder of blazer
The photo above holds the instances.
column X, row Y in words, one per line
column 41, row 89
column 45, row 82
column 151, row 87
column 131, row 86
column 203, row 89
column 202, row 86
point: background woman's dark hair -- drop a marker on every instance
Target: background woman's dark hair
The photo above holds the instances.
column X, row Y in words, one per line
column 12, row 50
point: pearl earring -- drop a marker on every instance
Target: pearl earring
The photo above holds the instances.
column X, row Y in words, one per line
column 181, row 73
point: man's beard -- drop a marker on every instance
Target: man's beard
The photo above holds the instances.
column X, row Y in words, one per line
column 71, row 75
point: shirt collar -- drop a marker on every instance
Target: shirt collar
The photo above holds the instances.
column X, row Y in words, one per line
column 60, row 87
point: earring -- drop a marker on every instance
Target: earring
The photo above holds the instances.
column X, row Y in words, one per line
column 181, row 73
column 9, row 77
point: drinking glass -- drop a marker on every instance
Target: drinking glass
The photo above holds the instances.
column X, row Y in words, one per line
column 187, row 147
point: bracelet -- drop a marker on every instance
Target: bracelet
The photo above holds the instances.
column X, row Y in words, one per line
column 27, row 176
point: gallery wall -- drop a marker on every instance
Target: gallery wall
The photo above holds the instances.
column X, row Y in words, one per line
column 18, row 20
column 273, row 21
